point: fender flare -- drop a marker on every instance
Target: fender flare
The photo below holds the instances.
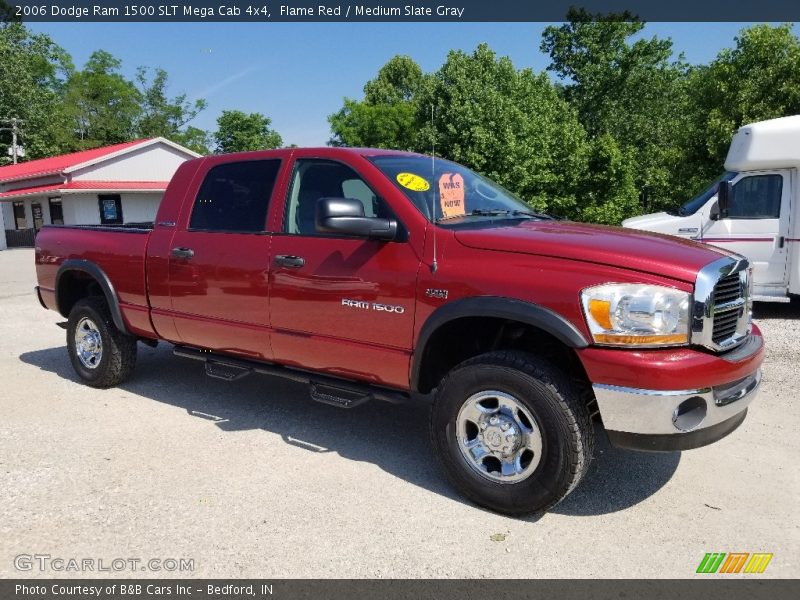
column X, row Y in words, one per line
column 90, row 268
column 499, row 307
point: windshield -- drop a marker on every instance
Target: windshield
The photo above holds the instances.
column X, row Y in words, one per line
column 696, row 203
column 449, row 193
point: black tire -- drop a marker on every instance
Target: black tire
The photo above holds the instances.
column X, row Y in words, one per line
column 118, row 358
column 558, row 405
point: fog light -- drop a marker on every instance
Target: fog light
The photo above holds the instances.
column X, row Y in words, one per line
column 690, row 413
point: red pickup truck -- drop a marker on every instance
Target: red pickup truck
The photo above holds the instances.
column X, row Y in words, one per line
column 373, row 274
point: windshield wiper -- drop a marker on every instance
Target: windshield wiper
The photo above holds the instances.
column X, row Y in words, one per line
column 496, row 212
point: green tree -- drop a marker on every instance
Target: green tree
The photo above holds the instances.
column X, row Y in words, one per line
column 163, row 116
column 386, row 117
column 757, row 79
column 33, row 70
column 238, row 131
column 101, row 103
column 508, row 124
column 629, row 90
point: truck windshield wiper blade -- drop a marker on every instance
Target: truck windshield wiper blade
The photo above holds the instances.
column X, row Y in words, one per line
column 495, row 212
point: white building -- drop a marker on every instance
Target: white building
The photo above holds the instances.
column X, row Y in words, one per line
column 116, row 184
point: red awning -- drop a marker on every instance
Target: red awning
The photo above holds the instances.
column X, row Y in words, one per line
column 87, row 186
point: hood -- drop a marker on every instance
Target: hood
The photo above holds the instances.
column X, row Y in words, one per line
column 625, row 248
column 650, row 221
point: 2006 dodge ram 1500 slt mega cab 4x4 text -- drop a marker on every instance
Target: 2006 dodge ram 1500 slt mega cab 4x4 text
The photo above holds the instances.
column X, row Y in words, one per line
column 374, row 274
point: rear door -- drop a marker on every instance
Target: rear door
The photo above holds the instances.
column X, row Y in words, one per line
column 338, row 304
column 220, row 259
column 757, row 224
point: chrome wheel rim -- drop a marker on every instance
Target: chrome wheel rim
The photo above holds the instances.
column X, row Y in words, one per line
column 88, row 343
column 498, row 437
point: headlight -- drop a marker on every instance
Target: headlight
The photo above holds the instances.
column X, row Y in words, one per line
column 637, row 314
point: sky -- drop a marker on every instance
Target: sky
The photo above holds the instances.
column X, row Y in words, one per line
column 298, row 73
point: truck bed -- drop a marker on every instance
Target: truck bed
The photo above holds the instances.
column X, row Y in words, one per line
column 119, row 250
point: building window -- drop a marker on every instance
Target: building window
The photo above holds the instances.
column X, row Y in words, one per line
column 19, row 215
column 56, row 211
column 110, row 209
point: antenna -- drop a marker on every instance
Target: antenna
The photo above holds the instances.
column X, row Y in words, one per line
column 434, row 264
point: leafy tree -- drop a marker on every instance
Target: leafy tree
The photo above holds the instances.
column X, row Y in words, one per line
column 607, row 192
column 102, row 104
column 508, row 124
column 631, row 91
column 359, row 124
column 32, row 74
column 161, row 115
column 386, row 117
column 238, row 131
column 757, row 79
column 397, row 81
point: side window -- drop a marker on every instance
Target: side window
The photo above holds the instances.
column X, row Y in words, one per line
column 234, row 197
column 756, row 197
column 315, row 179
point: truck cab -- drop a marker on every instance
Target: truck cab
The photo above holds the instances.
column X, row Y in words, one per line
column 759, row 216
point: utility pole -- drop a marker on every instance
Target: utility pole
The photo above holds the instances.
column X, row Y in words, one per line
column 14, row 129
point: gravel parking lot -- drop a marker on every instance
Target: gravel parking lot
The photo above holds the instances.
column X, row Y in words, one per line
column 253, row 479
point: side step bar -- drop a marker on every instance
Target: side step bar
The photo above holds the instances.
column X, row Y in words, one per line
column 328, row 390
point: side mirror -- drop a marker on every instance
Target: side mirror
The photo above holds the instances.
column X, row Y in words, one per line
column 713, row 213
column 346, row 216
column 724, row 193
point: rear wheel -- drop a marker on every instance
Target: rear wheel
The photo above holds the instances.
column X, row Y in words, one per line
column 102, row 355
column 512, row 432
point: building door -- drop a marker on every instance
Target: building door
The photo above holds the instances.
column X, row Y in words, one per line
column 38, row 217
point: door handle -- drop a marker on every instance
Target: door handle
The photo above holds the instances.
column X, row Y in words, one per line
column 289, row 260
column 781, row 241
column 186, row 253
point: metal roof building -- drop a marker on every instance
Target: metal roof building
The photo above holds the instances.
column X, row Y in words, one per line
column 115, row 184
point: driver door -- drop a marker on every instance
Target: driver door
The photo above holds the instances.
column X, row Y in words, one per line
column 339, row 304
column 757, row 224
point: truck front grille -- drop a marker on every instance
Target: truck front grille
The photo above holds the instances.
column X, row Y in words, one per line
column 729, row 307
column 722, row 312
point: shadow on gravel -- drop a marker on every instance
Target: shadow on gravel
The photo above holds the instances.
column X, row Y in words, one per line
column 776, row 310
column 393, row 437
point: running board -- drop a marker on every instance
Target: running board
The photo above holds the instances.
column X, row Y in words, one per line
column 327, row 390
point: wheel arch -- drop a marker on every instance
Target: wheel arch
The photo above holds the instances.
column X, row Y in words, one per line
column 485, row 315
column 74, row 281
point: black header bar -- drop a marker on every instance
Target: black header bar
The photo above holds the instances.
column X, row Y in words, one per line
column 417, row 11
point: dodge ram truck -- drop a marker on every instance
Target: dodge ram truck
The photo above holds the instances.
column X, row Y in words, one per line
column 389, row 276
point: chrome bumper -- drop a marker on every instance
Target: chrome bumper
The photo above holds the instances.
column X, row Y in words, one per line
column 661, row 420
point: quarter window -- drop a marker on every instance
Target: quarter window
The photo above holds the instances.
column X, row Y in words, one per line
column 234, row 197
column 756, row 197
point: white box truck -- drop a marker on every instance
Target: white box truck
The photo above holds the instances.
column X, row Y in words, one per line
column 753, row 209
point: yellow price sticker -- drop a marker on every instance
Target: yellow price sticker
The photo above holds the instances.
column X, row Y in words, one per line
column 415, row 183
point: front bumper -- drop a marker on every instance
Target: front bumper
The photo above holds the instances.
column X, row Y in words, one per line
column 712, row 401
column 667, row 421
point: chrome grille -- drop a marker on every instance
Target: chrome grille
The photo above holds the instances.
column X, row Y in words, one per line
column 729, row 307
column 722, row 305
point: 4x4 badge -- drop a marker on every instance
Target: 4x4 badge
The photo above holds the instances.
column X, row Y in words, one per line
column 434, row 293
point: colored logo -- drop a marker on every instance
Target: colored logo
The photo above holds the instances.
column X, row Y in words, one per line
column 734, row 562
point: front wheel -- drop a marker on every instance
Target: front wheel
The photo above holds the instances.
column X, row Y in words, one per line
column 102, row 355
column 512, row 432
